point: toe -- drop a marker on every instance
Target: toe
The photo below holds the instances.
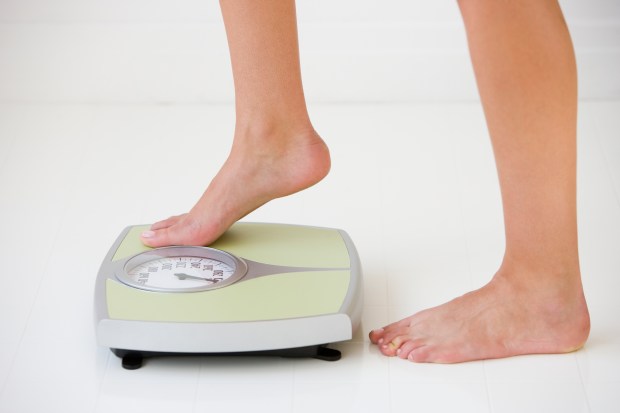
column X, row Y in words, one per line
column 179, row 233
column 396, row 335
column 405, row 350
column 376, row 335
column 183, row 230
column 158, row 237
column 392, row 347
column 389, row 349
column 166, row 223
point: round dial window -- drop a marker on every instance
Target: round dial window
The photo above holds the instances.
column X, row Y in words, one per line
column 182, row 269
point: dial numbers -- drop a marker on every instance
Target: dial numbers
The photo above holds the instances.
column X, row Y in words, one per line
column 182, row 269
column 180, row 272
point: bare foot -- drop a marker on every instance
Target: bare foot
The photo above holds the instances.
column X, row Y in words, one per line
column 501, row 319
column 258, row 169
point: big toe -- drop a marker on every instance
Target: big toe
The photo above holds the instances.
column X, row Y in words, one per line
column 376, row 335
column 181, row 233
column 159, row 238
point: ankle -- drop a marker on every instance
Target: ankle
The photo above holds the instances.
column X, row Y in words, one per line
column 272, row 128
column 266, row 139
column 552, row 294
column 555, row 299
column 534, row 279
column 551, row 264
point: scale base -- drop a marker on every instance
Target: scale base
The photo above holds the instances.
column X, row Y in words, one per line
column 133, row 359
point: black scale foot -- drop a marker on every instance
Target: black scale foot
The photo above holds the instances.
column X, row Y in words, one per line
column 132, row 361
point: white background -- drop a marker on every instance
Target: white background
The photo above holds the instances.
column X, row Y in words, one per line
column 119, row 112
column 167, row 51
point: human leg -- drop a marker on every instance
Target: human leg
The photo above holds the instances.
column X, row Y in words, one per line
column 525, row 70
column 275, row 151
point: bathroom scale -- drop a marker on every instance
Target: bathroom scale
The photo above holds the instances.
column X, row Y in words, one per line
column 260, row 289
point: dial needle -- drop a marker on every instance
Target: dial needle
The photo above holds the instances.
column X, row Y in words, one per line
column 182, row 276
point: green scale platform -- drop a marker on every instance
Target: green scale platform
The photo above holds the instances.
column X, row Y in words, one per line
column 271, row 289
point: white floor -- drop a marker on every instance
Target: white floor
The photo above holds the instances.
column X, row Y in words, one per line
column 414, row 186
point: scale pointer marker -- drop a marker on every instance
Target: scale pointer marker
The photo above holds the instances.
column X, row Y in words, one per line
column 182, row 276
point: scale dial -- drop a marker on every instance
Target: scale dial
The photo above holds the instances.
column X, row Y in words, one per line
column 182, row 269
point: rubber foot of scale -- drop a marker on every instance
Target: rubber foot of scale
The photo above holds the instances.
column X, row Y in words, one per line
column 132, row 361
column 327, row 354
